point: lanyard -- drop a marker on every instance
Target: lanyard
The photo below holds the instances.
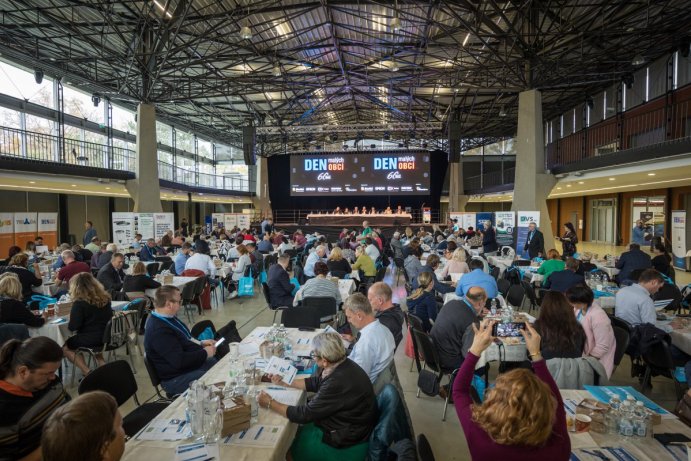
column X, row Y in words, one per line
column 581, row 315
column 175, row 325
column 472, row 309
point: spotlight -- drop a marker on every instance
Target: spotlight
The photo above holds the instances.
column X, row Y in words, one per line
column 96, row 99
column 638, row 60
column 394, row 66
column 395, row 24
column 277, row 70
column 502, row 112
column 38, row 75
column 245, row 32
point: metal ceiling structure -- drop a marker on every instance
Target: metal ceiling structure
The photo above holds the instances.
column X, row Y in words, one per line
column 340, row 63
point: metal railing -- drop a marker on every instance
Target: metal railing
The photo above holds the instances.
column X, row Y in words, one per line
column 490, row 179
column 653, row 123
column 179, row 175
column 43, row 147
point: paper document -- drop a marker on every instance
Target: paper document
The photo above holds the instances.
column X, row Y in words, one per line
column 277, row 366
column 197, row 452
column 248, row 349
column 257, row 435
column 165, row 429
column 290, row 397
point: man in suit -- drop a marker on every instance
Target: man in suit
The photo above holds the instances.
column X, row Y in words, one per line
column 111, row 275
column 563, row 280
column 535, row 243
column 632, row 260
column 280, row 288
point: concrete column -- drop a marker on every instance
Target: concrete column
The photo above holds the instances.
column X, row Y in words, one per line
column 532, row 184
column 145, row 189
column 262, row 201
column 457, row 199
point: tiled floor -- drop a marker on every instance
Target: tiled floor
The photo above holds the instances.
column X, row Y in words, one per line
column 446, row 437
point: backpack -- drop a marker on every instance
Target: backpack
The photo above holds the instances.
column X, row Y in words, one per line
column 513, row 275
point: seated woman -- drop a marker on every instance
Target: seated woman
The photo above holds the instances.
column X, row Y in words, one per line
column 422, row 302
column 364, row 263
column 12, row 309
column 412, row 263
column 338, row 265
column 338, row 420
column 553, row 264
column 19, row 264
column 662, row 262
column 456, row 265
column 600, row 340
column 318, row 286
column 562, row 335
column 89, row 316
column 522, row 417
column 139, row 280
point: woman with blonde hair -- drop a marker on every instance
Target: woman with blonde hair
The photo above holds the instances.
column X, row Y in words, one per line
column 421, row 302
column 338, row 265
column 89, row 316
column 456, row 265
column 139, row 280
column 12, row 309
column 522, row 417
column 19, row 264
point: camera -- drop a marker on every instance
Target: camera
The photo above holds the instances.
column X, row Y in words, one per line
column 508, row 329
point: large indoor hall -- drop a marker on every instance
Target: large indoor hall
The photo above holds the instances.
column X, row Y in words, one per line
column 345, row 230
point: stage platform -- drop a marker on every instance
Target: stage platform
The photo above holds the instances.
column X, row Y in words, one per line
column 353, row 220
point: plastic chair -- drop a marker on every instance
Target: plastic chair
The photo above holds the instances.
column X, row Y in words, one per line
column 187, row 296
column 621, row 323
column 117, row 379
column 622, row 338
column 428, row 351
column 165, row 265
column 670, row 291
column 424, row 449
column 301, row 317
column 530, row 293
column 516, row 296
column 494, row 272
column 414, row 322
column 381, row 273
column 269, row 304
column 152, row 269
column 155, row 380
column 503, row 286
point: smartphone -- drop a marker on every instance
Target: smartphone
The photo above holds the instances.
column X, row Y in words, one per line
column 219, row 342
column 306, row 329
column 508, row 330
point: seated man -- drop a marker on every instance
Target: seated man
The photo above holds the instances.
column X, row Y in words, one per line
column 104, row 258
column 111, row 275
column 177, row 357
column 430, row 266
column 477, row 277
column 375, row 345
column 318, row 254
column 150, row 251
column 71, row 268
column 389, row 314
column 563, row 280
column 29, row 393
column 96, row 418
column 634, row 303
column 452, row 330
column 278, row 280
column 182, row 257
column 632, row 260
column 265, row 246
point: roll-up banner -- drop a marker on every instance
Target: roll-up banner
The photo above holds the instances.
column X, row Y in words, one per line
column 6, row 232
column 679, row 239
column 482, row 218
column 48, row 229
column 524, row 219
column 123, row 228
column 144, row 224
column 230, row 221
column 163, row 222
column 505, row 226
column 25, row 228
column 217, row 220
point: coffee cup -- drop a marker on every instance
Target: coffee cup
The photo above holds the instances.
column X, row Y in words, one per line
column 583, row 423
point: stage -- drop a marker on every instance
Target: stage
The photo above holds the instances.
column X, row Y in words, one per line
column 355, row 220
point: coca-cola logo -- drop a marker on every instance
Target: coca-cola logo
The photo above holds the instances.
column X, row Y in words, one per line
column 393, row 175
column 323, row 176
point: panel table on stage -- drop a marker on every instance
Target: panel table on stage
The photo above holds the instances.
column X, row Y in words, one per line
column 350, row 220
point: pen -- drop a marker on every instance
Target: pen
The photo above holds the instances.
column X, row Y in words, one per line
column 276, row 388
column 259, row 432
column 190, row 448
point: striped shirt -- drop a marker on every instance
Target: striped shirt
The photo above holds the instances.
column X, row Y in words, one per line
column 318, row 286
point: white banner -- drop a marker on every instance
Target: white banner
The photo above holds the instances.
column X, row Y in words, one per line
column 524, row 219
column 467, row 220
column 243, row 221
column 163, row 222
column 48, row 228
column 216, row 220
column 123, row 229
column 230, row 221
column 144, row 224
column 679, row 238
column 6, row 232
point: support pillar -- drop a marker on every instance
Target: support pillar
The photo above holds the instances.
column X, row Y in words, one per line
column 457, row 197
column 145, row 189
column 532, row 184
column 262, row 202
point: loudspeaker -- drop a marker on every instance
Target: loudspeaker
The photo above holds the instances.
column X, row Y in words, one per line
column 454, row 141
column 249, row 134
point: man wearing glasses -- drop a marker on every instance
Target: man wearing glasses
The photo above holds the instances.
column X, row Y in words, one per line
column 177, row 357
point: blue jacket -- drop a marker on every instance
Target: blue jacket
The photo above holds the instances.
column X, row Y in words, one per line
column 169, row 349
column 638, row 236
column 477, row 278
column 149, row 254
column 280, row 288
column 424, row 307
column 562, row 280
column 631, row 261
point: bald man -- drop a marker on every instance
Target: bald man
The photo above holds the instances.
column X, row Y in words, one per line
column 389, row 314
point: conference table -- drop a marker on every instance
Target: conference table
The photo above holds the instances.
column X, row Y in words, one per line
column 178, row 281
column 355, row 220
column 283, row 431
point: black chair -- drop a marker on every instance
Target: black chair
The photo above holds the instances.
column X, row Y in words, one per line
column 13, row 331
column 187, row 297
column 622, row 338
column 424, row 449
column 515, row 296
column 494, row 272
column 658, row 362
column 269, row 304
column 165, row 266
column 670, row 291
column 414, row 322
column 200, row 326
column 503, row 286
column 326, row 305
column 381, row 273
column 428, row 351
column 155, row 380
column 621, row 323
column 301, row 317
column 530, row 293
column 117, row 379
column 400, row 267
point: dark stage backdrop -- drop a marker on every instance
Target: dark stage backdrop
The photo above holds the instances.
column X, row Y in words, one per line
column 279, row 189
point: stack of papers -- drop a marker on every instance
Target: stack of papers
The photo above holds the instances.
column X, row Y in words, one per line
column 197, row 452
column 284, row 368
column 165, row 429
column 290, row 397
column 258, row 435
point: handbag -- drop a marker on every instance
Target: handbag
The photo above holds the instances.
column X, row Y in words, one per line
column 246, row 285
column 683, row 409
column 428, row 382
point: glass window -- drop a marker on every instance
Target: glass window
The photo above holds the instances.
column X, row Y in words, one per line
column 184, row 141
column 650, row 210
column 205, row 149
column 38, row 124
column 21, row 84
column 9, row 118
column 124, row 120
column 79, row 104
column 72, row 132
column 164, row 134
column 166, row 157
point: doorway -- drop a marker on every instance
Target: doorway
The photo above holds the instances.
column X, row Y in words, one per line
column 603, row 221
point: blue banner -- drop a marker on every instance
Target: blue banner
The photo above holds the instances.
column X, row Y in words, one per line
column 481, row 218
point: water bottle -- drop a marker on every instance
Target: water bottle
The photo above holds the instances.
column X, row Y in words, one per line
column 643, row 420
column 612, row 418
column 626, row 420
column 251, row 400
column 494, row 307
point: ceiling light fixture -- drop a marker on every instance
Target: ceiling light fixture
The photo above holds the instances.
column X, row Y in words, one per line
column 96, row 99
column 651, row 174
column 502, row 112
column 394, row 66
column 612, row 179
column 277, row 70
column 395, row 24
column 581, row 182
column 245, row 31
column 38, row 75
column 638, row 60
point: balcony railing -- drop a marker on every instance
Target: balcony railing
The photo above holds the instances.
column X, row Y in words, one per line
column 654, row 123
column 179, row 175
column 30, row 145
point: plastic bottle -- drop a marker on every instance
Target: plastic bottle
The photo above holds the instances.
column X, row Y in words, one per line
column 612, row 418
column 626, row 419
column 494, row 307
column 643, row 420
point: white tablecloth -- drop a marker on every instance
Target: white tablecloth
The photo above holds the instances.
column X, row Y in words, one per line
column 611, row 271
column 138, row 450
column 58, row 332
column 177, row 281
column 346, row 287
column 501, row 263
